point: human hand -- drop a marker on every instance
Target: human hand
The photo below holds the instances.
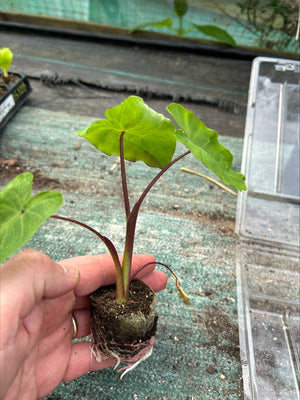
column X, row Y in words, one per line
column 37, row 300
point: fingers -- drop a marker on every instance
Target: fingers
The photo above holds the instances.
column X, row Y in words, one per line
column 82, row 361
column 35, row 276
column 99, row 270
column 83, row 322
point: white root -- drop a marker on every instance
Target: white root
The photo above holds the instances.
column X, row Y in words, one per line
column 96, row 353
column 133, row 362
column 130, row 367
column 118, row 360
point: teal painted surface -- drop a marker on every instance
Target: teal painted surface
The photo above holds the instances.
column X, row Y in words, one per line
column 130, row 13
column 196, row 355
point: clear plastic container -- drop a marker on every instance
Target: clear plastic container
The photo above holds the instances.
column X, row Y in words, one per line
column 268, row 223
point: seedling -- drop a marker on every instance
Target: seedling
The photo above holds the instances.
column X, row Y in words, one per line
column 180, row 8
column 14, row 87
column 6, row 57
column 134, row 132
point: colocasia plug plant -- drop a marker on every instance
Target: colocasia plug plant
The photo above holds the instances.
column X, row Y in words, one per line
column 123, row 317
column 135, row 132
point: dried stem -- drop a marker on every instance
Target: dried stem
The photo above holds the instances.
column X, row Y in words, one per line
column 185, row 298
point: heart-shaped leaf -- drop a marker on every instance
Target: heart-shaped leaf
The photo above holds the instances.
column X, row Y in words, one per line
column 203, row 143
column 21, row 215
column 149, row 136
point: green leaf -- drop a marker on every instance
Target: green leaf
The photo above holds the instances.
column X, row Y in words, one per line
column 203, row 143
column 159, row 24
column 22, row 215
column 6, row 57
column 180, row 7
column 217, row 33
column 149, row 136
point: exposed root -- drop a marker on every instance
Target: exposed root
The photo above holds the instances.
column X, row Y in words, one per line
column 132, row 366
column 119, row 360
column 140, row 357
column 96, row 353
column 133, row 362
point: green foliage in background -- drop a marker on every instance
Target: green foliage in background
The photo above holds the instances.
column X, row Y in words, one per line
column 180, row 8
column 6, row 57
column 267, row 18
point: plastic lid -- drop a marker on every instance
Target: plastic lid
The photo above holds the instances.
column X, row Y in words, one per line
column 268, row 213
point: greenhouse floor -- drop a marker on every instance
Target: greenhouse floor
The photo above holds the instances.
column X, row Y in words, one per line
column 186, row 221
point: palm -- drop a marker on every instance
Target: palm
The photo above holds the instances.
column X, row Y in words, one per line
column 44, row 337
column 38, row 299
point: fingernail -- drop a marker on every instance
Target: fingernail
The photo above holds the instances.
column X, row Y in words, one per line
column 70, row 270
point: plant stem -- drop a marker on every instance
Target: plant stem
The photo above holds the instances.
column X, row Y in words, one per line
column 155, row 179
column 123, row 175
column 113, row 252
column 131, row 225
column 209, row 179
column 180, row 26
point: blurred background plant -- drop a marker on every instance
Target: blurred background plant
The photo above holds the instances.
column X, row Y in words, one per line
column 180, row 8
column 265, row 18
column 271, row 25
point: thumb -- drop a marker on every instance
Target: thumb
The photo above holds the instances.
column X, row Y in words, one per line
column 34, row 276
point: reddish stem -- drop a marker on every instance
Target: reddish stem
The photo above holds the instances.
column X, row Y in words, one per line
column 150, row 263
column 111, row 248
column 131, row 225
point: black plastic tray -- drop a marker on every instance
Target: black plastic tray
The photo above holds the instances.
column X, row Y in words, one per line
column 16, row 94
